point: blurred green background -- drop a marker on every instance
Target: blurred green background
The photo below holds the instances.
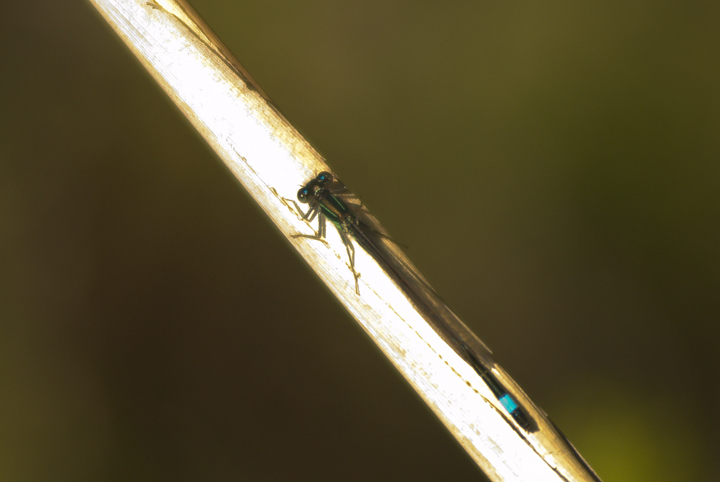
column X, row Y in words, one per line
column 553, row 166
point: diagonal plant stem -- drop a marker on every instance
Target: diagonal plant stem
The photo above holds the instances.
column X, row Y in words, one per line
column 451, row 369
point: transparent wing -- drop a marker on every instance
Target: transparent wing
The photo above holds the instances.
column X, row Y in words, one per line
column 337, row 188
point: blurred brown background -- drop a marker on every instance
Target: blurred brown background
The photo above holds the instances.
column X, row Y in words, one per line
column 553, row 166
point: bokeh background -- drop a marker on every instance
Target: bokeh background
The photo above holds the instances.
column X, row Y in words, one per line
column 552, row 165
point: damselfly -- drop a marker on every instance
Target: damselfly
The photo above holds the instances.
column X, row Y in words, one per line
column 329, row 199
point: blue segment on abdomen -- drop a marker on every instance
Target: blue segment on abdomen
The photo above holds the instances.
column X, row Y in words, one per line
column 509, row 404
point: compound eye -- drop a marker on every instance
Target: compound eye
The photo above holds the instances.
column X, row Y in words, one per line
column 324, row 177
column 303, row 194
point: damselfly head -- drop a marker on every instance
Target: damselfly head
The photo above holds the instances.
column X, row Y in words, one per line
column 313, row 186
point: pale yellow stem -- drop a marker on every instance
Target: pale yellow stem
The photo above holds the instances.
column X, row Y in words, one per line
column 272, row 160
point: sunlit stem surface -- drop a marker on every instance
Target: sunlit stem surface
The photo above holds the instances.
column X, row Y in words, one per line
column 271, row 160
